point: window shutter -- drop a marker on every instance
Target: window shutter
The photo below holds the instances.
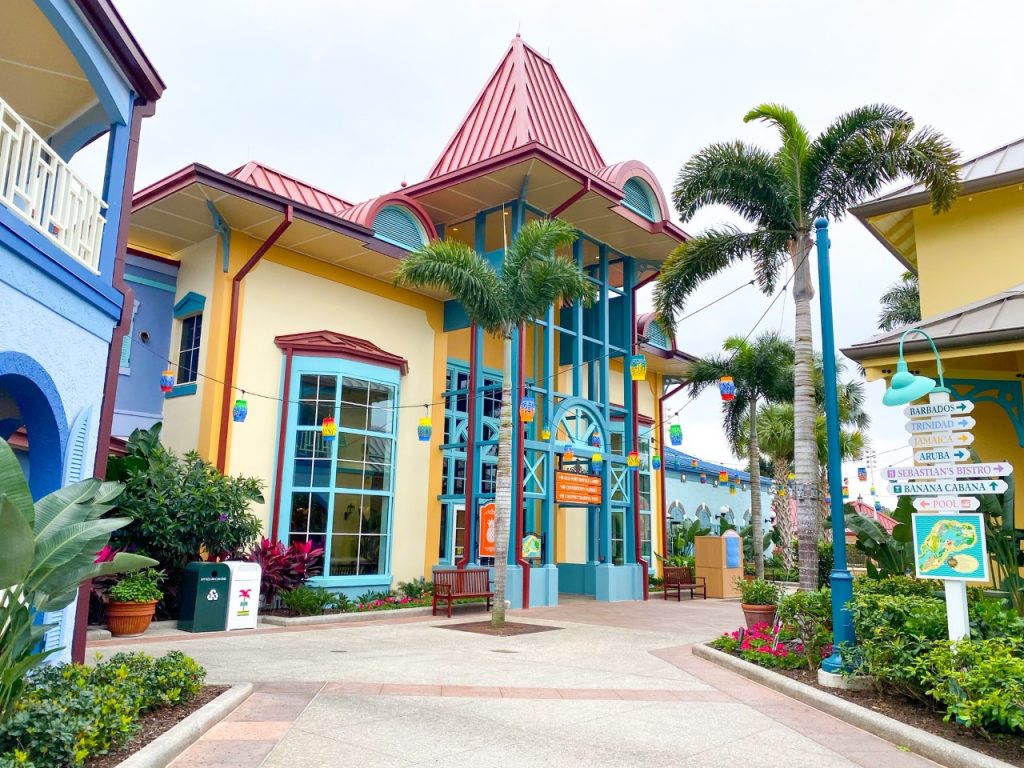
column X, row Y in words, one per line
column 638, row 198
column 398, row 226
column 126, row 344
column 60, row 635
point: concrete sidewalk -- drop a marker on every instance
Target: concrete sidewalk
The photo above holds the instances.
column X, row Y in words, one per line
column 616, row 685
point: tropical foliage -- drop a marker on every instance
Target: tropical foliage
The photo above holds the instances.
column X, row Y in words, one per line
column 780, row 194
column 901, row 303
column 534, row 275
column 49, row 548
column 762, row 371
column 885, row 554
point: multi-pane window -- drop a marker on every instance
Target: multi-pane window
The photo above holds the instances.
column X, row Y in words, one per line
column 188, row 349
column 342, row 490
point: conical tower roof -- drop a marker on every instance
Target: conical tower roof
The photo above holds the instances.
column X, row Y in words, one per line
column 524, row 101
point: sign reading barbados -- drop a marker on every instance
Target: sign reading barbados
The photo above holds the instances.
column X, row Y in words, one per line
column 950, row 546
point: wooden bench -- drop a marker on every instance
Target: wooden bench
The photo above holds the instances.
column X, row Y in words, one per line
column 679, row 578
column 454, row 584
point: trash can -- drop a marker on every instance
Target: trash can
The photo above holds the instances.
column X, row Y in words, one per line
column 204, row 597
column 244, row 599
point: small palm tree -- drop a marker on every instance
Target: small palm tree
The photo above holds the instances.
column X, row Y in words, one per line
column 780, row 194
column 901, row 303
column 761, row 370
column 532, row 277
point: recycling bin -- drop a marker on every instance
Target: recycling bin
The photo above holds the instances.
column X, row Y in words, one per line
column 244, row 594
column 204, row 597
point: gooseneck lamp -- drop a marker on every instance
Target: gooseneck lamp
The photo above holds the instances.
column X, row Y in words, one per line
column 906, row 387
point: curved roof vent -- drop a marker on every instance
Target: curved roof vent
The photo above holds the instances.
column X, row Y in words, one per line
column 399, row 226
column 640, row 199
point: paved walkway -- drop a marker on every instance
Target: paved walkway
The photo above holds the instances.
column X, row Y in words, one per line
column 615, row 685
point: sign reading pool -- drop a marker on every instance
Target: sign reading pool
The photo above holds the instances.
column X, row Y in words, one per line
column 950, row 546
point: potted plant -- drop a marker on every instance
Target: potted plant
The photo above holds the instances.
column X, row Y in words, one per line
column 133, row 602
column 759, row 600
column 748, row 572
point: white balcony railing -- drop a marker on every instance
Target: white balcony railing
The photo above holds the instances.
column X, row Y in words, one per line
column 41, row 188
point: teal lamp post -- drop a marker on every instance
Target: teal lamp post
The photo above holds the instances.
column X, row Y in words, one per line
column 842, row 579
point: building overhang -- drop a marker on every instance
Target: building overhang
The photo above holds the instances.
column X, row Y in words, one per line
column 333, row 344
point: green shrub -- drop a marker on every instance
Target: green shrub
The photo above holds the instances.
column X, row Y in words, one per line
column 372, row 597
column 810, row 616
column 758, row 592
column 896, row 585
column 417, row 589
column 825, row 562
column 16, row 759
column 992, row 618
column 308, row 601
column 138, row 587
column 44, row 731
column 981, row 683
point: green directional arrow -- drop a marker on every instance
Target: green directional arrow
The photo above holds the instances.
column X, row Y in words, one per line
column 993, row 486
column 962, row 407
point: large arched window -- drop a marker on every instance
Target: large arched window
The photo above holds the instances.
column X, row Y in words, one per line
column 640, row 198
column 399, row 226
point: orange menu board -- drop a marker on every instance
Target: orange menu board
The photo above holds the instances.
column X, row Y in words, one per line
column 573, row 488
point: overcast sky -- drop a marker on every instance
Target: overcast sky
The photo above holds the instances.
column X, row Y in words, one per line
column 359, row 96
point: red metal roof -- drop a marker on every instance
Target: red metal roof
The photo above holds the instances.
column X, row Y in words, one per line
column 524, row 101
column 266, row 178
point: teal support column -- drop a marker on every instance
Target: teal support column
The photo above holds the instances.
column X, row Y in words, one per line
column 842, row 579
column 577, row 313
column 602, row 394
column 629, row 440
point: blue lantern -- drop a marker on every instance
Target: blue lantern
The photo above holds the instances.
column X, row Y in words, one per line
column 656, row 462
column 675, row 434
column 240, row 411
column 595, row 440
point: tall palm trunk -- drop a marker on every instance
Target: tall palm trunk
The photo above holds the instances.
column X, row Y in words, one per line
column 805, row 413
column 755, row 493
column 503, row 489
column 783, row 517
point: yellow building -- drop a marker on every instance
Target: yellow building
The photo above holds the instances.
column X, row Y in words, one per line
column 284, row 299
column 970, row 264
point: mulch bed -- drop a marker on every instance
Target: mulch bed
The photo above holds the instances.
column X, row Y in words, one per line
column 1010, row 749
column 154, row 724
column 511, row 629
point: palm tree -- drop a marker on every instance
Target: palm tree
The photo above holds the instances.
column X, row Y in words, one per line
column 761, row 370
column 901, row 303
column 781, row 194
column 532, row 278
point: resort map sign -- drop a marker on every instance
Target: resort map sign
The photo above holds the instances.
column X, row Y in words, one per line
column 950, row 547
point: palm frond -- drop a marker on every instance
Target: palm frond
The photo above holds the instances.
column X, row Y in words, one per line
column 549, row 281
column 739, row 176
column 456, row 268
column 707, row 254
column 791, row 157
column 901, row 303
column 537, row 239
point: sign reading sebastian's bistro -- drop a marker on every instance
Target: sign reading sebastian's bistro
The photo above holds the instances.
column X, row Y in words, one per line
column 575, row 488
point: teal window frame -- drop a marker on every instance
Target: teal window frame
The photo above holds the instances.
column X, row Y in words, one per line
column 339, row 368
column 189, row 306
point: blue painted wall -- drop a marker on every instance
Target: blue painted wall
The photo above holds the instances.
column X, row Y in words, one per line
column 139, row 399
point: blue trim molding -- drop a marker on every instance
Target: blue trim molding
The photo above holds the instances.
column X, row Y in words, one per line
column 1006, row 393
column 190, row 304
column 182, row 390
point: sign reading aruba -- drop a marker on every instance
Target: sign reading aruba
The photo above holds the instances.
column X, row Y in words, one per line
column 950, row 546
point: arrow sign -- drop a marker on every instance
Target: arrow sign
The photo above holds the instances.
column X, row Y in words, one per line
column 955, row 407
column 941, row 455
column 951, row 439
column 987, row 469
column 940, row 424
column 962, row 504
column 944, row 487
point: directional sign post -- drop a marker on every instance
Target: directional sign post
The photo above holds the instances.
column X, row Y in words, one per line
column 940, row 424
column 930, row 488
column 953, row 472
column 956, row 407
column 941, row 455
column 963, row 504
column 941, row 439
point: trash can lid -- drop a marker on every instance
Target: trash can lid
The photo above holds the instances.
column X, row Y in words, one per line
column 240, row 567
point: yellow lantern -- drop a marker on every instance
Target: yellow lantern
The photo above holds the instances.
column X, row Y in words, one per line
column 638, row 367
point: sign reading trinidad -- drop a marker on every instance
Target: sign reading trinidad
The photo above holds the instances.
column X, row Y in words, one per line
column 987, row 469
column 942, row 439
column 940, row 424
column 962, row 504
column 954, row 407
column 947, row 487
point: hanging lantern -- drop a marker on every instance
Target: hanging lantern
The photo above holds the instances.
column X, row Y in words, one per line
column 791, row 477
column 846, row 491
column 328, row 429
column 545, row 434
column 828, row 499
column 240, row 411
column 675, row 434
column 597, row 458
column 878, row 506
column 872, row 490
column 567, row 454
column 633, row 460
column 638, row 368
column 862, row 473
column 735, row 478
column 424, row 429
column 595, row 440
column 723, row 476
column 655, row 462
column 527, row 409
column 782, row 492
column 732, row 489
column 693, row 463
column 166, row 381
column 727, row 388
column 703, row 478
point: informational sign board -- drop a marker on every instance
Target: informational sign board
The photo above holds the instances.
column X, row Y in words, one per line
column 954, row 407
column 531, row 546
column 950, row 547
column 947, row 487
column 488, row 537
column 574, row 488
column 985, row 469
column 947, row 504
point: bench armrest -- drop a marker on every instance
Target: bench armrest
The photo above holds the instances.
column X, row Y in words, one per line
column 701, row 579
column 442, row 590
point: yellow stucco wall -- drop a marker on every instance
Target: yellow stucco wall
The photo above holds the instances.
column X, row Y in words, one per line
column 280, row 298
column 982, row 233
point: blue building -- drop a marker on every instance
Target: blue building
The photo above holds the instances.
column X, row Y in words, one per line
column 694, row 490
column 71, row 74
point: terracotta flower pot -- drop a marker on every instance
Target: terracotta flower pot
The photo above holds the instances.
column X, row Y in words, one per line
column 758, row 614
column 129, row 619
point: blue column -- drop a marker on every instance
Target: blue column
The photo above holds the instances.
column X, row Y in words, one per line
column 113, row 195
column 842, row 580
